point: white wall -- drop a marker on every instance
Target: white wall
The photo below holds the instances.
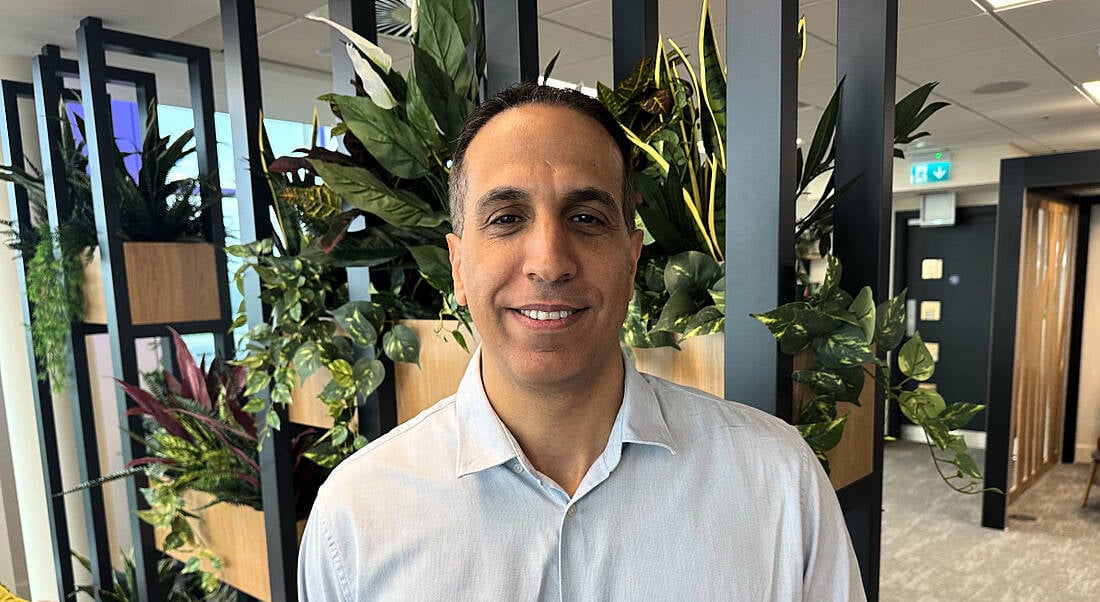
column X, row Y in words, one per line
column 1088, row 399
column 19, row 411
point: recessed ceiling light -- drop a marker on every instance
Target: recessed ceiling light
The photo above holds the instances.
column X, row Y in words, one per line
column 1093, row 88
column 1001, row 87
column 1007, row 4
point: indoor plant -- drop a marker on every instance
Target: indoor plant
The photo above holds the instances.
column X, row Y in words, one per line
column 398, row 133
column 152, row 207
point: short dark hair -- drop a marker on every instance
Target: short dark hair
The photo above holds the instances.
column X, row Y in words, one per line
column 532, row 94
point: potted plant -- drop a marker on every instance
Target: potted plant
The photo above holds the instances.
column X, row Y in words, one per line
column 177, row 582
column 202, row 463
column 162, row 229
column 392, row 182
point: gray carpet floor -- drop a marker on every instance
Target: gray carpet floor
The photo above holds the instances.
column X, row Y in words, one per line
column 934, row 549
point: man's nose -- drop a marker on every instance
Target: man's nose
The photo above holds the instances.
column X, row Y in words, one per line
column 549, row 255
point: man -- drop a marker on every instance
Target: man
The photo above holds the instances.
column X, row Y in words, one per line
column 557, row 471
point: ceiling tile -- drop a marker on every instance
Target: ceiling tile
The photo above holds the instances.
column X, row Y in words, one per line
column 819, row 66
column 958, row 76
column 298, row 45
column 209, row 32
column 550, row 7
column 953, row 38
column 593, row 17
column 298, row 8
column 681, row 17
column 587, row 72
column 1055, row 19
column 921, row 13
column 821, row 20
column 575, row 46
column 1076, row 55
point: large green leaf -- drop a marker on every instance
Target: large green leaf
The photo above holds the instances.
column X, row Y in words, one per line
column 462, row 12
column 863, row 308
column 679, row 309
column 914, row 359
column 823, row 436
column 419, row 113
column 389, row 139
column 890, row 323
column 355, row 318
column 307, row 359
column 957, row 415
column 693, row 271
column 820, row 382
column 367, row 374
column 921, row 404
column 438, row 91
column 441, row 36
column 843, row 347
column 819, row 157
column 712, row 79
column 709, row 320
column 401, row 344
column 362, row 190
column 434, row 266
column 832, row 278
column 796, row 324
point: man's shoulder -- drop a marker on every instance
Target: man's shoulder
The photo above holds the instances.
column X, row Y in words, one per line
column 422, row 442
column 695, row 413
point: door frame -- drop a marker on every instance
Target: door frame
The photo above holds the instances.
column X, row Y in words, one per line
column 901, row 241
column 1057, row 175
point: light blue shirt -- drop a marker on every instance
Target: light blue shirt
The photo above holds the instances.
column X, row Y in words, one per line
column 694, row 498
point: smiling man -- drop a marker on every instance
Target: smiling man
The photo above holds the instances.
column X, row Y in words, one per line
column 557, row 471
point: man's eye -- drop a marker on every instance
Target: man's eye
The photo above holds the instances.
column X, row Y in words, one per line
column 505, row 220
column 586, row 218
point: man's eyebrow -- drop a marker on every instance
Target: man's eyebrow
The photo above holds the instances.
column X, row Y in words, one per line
column 500, row 194
column 591, row 193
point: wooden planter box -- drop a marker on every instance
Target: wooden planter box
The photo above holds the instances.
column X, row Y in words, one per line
column 442, row 364
column 168, row 282
column 237, row 535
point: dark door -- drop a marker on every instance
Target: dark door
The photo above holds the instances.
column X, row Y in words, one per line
column 949, row 273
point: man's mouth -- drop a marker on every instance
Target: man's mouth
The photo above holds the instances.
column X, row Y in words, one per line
column 535, row 314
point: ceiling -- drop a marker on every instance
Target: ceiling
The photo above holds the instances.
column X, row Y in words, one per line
column 1045, row 48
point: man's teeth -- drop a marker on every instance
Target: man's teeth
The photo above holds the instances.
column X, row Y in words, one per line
column 546, row 315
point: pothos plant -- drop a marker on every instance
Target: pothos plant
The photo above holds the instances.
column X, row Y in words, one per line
column 844, row 334
column 382, row 204
column 674, row 113
column 153, row 207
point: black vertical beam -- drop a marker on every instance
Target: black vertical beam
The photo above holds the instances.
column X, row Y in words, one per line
column 1077, row 314
column 762, row 55
column 45, row 421
column 511, row 42
column 378, row 411
column 245, row 96
column 867, row 62
column 101, row 150
column 634, row 34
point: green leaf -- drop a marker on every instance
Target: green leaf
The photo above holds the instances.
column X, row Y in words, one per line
column 863, row 308
column 890, row 323
column 462, row 12
column 796, row 324
column 437, row 89
column 440, row 36
column 820, row 382
column 919, row 405
column 843, row 347
column 957, row 415
column 823, row 436
column 435, row 266
column 341, row 372
column 307, row 359
column 363, row 190
column 679, row 309
column 967, row 466
column 854, row 378
column 368, row 374
column 693, row 271
column 818, row 158
column 384, row 134
column 401, row 345
column 914, row 359
column 257, row 380
column 832, row 278
column 339, row 434
column 419, row 113
column 709, row 320
column 353, row 317
column 718, row 293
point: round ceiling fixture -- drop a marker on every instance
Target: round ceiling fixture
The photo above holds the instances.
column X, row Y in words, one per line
column 1001, row 87
column 394, row 17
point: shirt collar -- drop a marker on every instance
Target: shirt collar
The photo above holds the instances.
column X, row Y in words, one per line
column 484, row 441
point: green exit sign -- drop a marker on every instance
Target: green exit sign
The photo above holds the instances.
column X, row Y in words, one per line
column 930, row 172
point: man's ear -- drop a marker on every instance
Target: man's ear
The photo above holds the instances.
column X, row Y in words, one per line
column 454, row 249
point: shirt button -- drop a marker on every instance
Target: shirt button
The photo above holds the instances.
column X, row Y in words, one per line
column 572, row 511
column 517, row 468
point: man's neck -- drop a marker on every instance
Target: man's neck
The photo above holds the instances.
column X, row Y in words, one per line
column 561, row 430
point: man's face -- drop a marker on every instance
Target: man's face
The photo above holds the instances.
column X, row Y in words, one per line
column 545, row 262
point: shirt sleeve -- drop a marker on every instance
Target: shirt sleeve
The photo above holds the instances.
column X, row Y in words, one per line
column 830, row 569
column 321, row 566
